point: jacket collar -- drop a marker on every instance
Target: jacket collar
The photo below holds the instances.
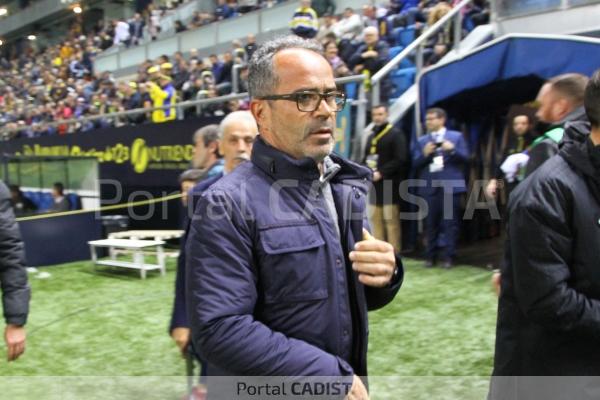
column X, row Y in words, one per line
column 279, row 165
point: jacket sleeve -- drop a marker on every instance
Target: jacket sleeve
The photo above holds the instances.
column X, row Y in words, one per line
column 419, row 160
column 461, row 152
column 222, row 296
column 541, row 244
column 179, row 315
column 13, row 276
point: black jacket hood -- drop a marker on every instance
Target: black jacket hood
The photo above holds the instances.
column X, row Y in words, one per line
column 577, row 149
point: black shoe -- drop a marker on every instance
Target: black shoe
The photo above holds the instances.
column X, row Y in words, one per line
column 428, row 264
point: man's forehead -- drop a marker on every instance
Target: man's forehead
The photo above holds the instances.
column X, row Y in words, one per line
column 303, row 69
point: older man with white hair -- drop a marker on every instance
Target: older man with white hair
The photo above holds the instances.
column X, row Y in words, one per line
column 237, row 132
column 371, row 56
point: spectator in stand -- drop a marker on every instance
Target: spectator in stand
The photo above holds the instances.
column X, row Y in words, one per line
column 121, row 33
column 348, row 29
column 370, row 18
column 223, row 10
column 245, row 6
column 224, row 81
column 132, row 99
column 445, row 35
column 153, row 21
column 326, row 33
column 477, row 14
column 324, row 7
column 182, row 75
column 136, row 29
column 305, row 22
column 433, row 56
column 179, row 26
column 216, row 67
column 162, row 94
column 337, row 64
column 370, row 57
column 250, row 45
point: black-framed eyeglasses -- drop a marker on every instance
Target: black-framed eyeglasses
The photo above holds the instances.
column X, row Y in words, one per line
column 309, row 101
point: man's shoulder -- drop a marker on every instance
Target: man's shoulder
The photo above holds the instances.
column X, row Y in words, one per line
column 552, row 181
column 246, row 177
column 453, row 135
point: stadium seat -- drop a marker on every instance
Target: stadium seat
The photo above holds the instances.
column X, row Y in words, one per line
column 351, row 90
column 46, row 201
column 402, row 79
column 405, row 63
column 35, row 197
column 404, row 36
column 74, row 201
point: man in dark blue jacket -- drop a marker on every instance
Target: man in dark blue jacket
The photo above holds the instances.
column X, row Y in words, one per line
column 279, row 277
column 439, row 159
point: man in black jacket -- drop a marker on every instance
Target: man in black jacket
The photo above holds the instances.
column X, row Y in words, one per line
column 549, row 308
column 560, row 101
column 13, row 278
column 387, row 155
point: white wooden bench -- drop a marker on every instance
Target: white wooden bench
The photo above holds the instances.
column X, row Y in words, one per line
column 162, row 234
column 134, row 247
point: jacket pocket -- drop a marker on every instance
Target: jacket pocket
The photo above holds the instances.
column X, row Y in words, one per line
column 293, row 263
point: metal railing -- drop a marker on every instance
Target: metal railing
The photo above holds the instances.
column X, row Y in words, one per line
column 416, row 46
column 360, row 103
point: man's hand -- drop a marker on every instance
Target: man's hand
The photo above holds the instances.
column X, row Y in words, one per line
column 358, row 391
column 369, row 54
column 491, row 189
column 447, row 145
column 377, row 176
column 14, row 336
column 181, row 336
column 374, row 260
column 428, row 149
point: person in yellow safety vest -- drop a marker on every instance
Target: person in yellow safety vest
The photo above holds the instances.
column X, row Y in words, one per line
column 162, row 94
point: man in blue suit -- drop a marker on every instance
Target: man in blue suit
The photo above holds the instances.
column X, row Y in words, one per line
column 439, row 158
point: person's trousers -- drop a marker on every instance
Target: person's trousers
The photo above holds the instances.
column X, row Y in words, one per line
column 385, row 221
column 442, row 226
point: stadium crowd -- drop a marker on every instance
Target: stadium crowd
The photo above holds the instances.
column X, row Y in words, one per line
column 59, row 82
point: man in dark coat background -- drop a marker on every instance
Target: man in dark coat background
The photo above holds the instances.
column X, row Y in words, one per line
column 13, row 278
column 387, row 155
column 549, row 307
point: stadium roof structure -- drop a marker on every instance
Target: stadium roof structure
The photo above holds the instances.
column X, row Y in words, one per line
column 507, row 70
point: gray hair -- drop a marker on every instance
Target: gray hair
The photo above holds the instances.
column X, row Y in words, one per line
column 236, row 116
column 208, row 134
column 262, row 79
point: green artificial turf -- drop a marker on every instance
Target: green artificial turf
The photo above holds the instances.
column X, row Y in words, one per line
column 108, row 328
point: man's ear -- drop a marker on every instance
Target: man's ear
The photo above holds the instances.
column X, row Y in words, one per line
column 213, row 147
column 258, row 108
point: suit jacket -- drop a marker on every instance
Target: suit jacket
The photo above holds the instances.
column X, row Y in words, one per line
column 452, row 174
